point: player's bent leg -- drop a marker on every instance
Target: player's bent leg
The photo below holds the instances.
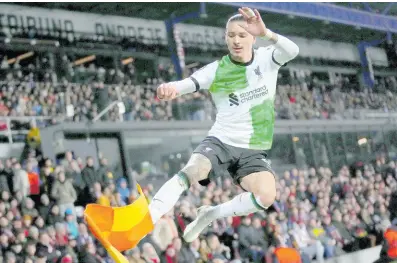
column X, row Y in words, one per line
column 261, row 194
column 263, row 187
column 197, row 168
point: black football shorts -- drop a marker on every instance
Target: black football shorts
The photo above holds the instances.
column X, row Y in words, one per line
column 238, row 162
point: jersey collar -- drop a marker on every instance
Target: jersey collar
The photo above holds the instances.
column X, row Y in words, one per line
column 240, row 63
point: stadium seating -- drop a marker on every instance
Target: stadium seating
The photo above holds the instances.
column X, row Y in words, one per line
column 297, row 98
column 338, row 212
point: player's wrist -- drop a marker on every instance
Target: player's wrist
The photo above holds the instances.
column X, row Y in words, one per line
column 267, row 35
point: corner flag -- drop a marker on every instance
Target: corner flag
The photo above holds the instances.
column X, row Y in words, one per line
column 120, row 228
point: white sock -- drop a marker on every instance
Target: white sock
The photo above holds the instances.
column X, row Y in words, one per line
column 241, row 205
column 166, row 198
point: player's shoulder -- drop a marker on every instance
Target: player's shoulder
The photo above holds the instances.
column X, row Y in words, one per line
column 214, row 63
column 210, row 66
column 265, row 51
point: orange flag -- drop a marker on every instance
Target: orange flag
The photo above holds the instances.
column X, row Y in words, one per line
column 120, row 228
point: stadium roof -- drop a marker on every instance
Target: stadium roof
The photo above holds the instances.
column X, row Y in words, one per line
column 217, row 14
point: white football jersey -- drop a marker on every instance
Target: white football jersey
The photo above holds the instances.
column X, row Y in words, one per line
column 244, row 97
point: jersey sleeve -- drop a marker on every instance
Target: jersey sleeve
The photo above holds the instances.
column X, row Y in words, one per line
column 204, row 77
column 200, row 80
column 284, row 50
column 266, row 57
column 277, row 55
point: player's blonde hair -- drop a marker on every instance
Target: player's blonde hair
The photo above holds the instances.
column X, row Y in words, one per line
column 234, row 18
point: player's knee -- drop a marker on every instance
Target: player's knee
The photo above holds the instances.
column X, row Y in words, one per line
column 192, row 173
column 266, row 196
column 263, row 186
column 197, row 168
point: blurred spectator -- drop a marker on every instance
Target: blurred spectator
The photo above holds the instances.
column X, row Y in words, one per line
column 104, row 172
column 252, row 239
column 190, row 253
column 318, row 233
column 72, row 248
column 47, row 179
column 21, row 182
column 84, row 237
column 89, row 179
column 341, row 233
column 172, row 253
column 134, row 256
column 71, row 223
column 64, row 194
column 28, row 208
column 33, row 137
column 34, row 179
column 54, row 216
column 149, row 253
column 89, row 255
column 4, row 179
column 311, row 247
column 45, row 249
column 105, row 197
column 30, row 251
column 217, row 249
column 165, row 231
column 61, row 236
column 44, row 207
column 123, row 190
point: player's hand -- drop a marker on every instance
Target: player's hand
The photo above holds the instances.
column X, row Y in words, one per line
column 166, row 91
column 255, row 25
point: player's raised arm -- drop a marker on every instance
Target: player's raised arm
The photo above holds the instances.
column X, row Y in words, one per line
column 201, row 79
column 285, row 49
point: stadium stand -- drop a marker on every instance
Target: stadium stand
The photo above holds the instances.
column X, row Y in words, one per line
column 323, row 211
column 301, row 98
column 315, row 210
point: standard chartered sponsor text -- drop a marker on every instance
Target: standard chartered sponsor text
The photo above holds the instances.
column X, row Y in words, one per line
column 253, row 94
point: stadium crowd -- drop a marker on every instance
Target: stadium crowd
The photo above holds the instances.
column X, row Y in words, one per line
column 322, row 214
column 41, row 89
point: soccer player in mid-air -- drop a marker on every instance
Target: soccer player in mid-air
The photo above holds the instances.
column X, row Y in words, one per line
column 243, row 87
